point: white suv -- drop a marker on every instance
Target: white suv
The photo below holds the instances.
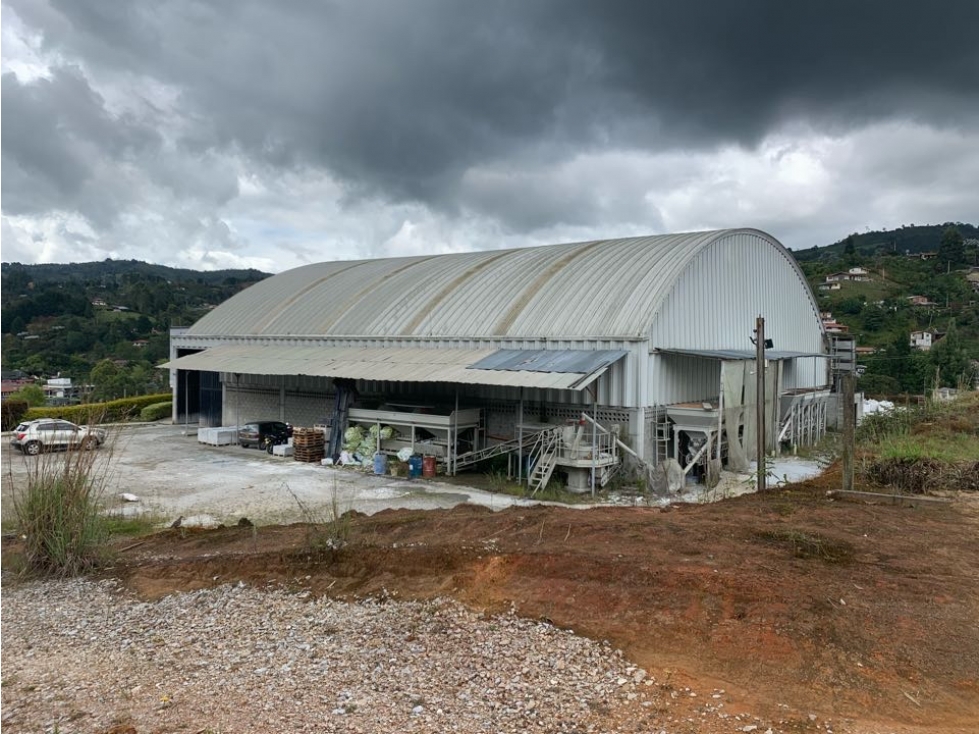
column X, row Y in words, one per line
column 33, row 437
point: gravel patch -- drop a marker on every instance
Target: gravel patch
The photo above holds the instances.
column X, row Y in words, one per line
column 84, row 656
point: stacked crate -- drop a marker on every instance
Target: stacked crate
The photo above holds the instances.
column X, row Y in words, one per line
column 308, row 444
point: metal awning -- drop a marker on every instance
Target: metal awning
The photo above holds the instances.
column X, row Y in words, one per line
column 582, row 361
column 740, row 354
column 395, row 364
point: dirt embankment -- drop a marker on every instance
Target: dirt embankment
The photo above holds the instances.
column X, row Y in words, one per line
column 791, row 599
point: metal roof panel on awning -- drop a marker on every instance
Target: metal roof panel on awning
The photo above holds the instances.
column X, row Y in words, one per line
column 739, row 354
column 391, row 364
column 582, row 361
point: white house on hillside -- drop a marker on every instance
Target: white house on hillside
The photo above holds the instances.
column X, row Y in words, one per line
column 924, row 340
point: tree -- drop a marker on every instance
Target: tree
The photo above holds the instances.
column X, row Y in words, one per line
column 33, row 395
column 851, row 306
column 951, row 250
column 907, row 366
column 105, row 380
column 951, row 358
column 850, row 248
column 874, row 384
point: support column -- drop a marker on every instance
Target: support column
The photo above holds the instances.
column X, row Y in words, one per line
column 849, row 426
column 760, row 399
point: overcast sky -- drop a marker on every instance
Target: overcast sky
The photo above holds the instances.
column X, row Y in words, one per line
column 250, row 133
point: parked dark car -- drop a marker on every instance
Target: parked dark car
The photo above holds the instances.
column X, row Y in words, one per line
column 264, row 434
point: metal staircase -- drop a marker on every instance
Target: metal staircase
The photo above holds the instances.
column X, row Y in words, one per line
column 543, row 456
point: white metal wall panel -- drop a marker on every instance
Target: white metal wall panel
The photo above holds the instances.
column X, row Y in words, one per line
column 714, row 303
column 677, row 378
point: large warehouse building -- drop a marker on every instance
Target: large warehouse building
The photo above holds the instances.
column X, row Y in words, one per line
column 650, row 337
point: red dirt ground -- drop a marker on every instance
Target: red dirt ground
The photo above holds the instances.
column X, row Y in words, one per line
column 789, row 601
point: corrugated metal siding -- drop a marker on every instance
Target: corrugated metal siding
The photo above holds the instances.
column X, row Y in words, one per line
column 395, row 365
column 596, row 289
column 549, row 360
column 714, row 303
column 678, row 379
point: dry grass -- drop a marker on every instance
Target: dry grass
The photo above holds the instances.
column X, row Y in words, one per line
column 58, row 510
column 809, row 545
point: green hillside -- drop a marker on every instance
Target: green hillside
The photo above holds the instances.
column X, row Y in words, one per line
column 931, row 262
column 109, row 319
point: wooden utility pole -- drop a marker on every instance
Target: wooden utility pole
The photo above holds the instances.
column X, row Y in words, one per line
column 760, row 400
column 849, row 426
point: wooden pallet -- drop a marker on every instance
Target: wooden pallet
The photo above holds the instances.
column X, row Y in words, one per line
column 308, row 444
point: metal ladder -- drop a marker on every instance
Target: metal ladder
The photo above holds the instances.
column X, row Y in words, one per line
column 663, row 437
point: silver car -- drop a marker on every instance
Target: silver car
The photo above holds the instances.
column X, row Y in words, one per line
column 45, row 434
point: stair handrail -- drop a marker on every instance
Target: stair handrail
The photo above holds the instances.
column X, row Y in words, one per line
column 546, row 440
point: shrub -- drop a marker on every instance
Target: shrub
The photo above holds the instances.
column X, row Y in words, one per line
column 156, row 411
column 874, row 384
column 115, row 410
column 12, row 412
column 58, row 511
column 33, row 395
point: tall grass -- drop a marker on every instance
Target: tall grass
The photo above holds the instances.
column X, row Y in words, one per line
column 58, row 510
column 942, row 430
column 934, row 446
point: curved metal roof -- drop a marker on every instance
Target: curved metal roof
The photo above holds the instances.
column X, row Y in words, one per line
column 601, row 289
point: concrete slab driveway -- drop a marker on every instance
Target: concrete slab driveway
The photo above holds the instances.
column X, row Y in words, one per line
column 173, row 475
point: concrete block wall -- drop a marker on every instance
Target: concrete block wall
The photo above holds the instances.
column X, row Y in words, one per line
column 276, row 403
column 307, row 408
column 249, row 404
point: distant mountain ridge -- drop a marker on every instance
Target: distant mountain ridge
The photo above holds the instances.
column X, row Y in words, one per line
column 909, row 239
column 93, row 271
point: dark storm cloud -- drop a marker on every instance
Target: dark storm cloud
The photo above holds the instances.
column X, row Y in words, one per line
column 42, row 166
column 57, row 136
column 401, row 99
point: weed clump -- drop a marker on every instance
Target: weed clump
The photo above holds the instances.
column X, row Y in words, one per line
column 58, row 510
column 924, row 448
column 918, row 475
column 325, row 534
column 809, row 545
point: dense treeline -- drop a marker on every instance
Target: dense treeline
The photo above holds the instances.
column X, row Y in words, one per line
column 910, row 239
column 108, row 270
column 105, row 325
